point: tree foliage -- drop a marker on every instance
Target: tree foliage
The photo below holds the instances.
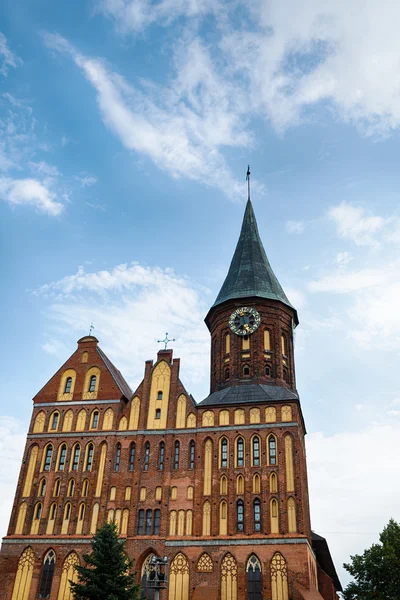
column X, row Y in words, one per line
column 106, row 574
column 376, row 572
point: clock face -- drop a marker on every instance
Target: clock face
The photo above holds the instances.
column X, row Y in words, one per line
column 244, row 321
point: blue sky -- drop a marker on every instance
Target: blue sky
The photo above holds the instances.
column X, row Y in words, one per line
column 126, row 127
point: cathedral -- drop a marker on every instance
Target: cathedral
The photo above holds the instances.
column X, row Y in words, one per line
column 219, row 488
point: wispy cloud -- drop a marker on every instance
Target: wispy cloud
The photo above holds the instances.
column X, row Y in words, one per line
column 7, row 58
column 30, row 192
column 295, row 226
column 355, row 224
column 86, row 180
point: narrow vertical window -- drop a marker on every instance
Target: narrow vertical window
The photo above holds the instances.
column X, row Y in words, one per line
column 224, row 453
column 71, row 487
column 191, row 454
column 131, row 457
column 140, row 527
column 161, row 456
column 95, row 419
column 157, row 521
column 256, row 451
column 176, row 455
column 159, row 395
column 149, row 522
column 267, row 340
column 240, row 452
column 257, row 515
column 57, row 484
column 54, row 421
column 272, row 450
column 75, row 459
column 227, row 343
column 42, row 488
column 117, row 457
column 158, row 413
column 47, row 458
column 68, row 385
column 283, row 344
column 89, row 458
column 46, row 578
column 146, row 456
column 85, row 487
column 92, row 384
column 240, row 515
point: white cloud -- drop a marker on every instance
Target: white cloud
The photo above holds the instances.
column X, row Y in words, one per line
column 30, row 192
column 12, row 442
column 131, row 307
column 43, row 168
column 295, row 226
column 343, row 258
column 86, row 180
column 347, row 475
column 353, row 223
column 7, row 58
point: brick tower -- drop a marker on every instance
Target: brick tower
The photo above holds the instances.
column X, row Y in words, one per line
column 218, row 487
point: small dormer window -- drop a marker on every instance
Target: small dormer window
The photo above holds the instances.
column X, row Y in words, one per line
column 92, row 384
column 159, row 395
column 68, row 385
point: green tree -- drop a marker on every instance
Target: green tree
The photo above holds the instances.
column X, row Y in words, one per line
column 376, row 572
column 106, row 574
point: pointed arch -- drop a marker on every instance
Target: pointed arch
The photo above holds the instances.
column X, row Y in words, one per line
column 94, row 419
column 240, row 484
column 238, row 418
column 273, row 483
column 272, row 450
column 256, row 484
column 279, row 579
column 66, row 519
column 270, row 414
column 147, row 574
column 159, row 396
column 223, row 518
column 68, row 574
column 134, row 414
column 189, row 522
column 61, row 457
column 91, row 385
column 228, row 578
column 47, row 573
column 81, row 516
column 291, row 511
column 255, row 415
column 33, row 454
column 207, row 419
column 100, row 470
column 54, row 420
column 179, row 578
column 205, row 563
column 19, row 527
column 38, row 424
column 67, row 421
column 181, row 523
column 223, row 453
column 47, row 457
column 191, row 420
column 289, row 463
column 67, row 385
column 172, row 522
column 255, row 451
column 124, row 522
column 239, row 452
column 108, row 419
column 123, row 424
column 223, row 485
column 37, row 515
column 286, row 413
column 181, row 412
column 51, row 518
column 95, row 517
column 42, row 487
column 208, row 449
column 254, row 587
column 23, row 577
column 274, row 515
column 224, row 417
column 206, row 529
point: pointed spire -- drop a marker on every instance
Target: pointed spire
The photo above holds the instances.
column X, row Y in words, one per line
column 250, row 273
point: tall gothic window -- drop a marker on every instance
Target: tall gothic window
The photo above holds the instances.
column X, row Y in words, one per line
column 256, row 451
column 47, row 458
column 161, row 456
column 54, row 422
column 176, row 455
column 157, row 521
column 131, row 457
column 89, row 459
column 149, row 522
column 68, row 385
column 117, row 456
column 257, row 515
column 75, row 459
column 191, row 454
column 95, row 419
column 148, row 574
column 92, row 384
column 224, row 453
column 146, row 456
column 272, row 450
column 140, row 527
column 240, row 452
column 240, row 515
column 253, row 578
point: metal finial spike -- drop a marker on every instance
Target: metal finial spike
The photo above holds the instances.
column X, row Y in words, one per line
column 248, row 181
column 166, row 341
column 91, row 328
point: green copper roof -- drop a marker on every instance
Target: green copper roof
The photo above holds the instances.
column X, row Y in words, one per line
column 250, row 273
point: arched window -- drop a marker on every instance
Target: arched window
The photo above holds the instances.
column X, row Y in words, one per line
column 279, row 578
column 158, row 413
column 189, row 522
column 223, row 462
column 283, row 344
column 71, row 487
column 157, row 521
column 47, row 457
column 181, row 522
column 37, row 514
column 19, row 527
column 207, row 418
column 95, row 419
column 42, row 487
column 89, row 457
column 246, row 371
column 131, row 456
column 148, row 575
column 224, row 417
column 206, row 518
column 223, row 518
column 85, row 487
column 286, row 412
column 271, row 447
column 68, row 385
column 176, row 455
column 62, row 456
column 239, row 416
column 270, row 414
column 66, row 518
column 208, row 452
column 291, row 511
column 289, row 463
column 56, row 491
column 81, row 515
column 67, row 421
column 257, row 515
column 240, row 484
column 161, row 456
column 255, row 451
column 140, row 527
column 81, row 420
column 54, row 421
column 174, row 492
column 191, row 454
column 240, row 515
column 273, row 506
column 172, row 522
column 240, row 452
column 146, row 456
column 159, row 395
column 142, row 494
column 268, row 370
column 38, row 425
column 190, row 492
column 253, row 578
column 227, row 343
column 223, row 486
column 117, row 457
column 51, row 519
column 92, row 384
column 267, row 340
column 256, row 484
column 75, row 457
column 85, row 356
column 23, row 580
column 205, row 563
column 179, row 578
column 149, row 522
column 191, row 420
column 255, row 415
column 228, row 578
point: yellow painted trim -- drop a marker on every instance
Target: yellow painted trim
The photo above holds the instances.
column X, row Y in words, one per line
column 207, row 467
column 206, row 518
column 160, row 382
column 30, row 471
column 19, row 527
column 81, row 420
column 286, row 413
column 67, row 421
column 181, row 412
column 224, row 417
column 274, row 515
column 23, row 577
column 223, row 518
column 191, row 420
column 108, row 419
column 289, row 463
column 239, row 416
column 100, row 473
column 68, row 574
column 255, row 415
column 134, row 414
column 123, row 424
column 95, row 516
column 86, row 395
column 38, row 425
column 69, row 395
column 207, row 419
column 270, row 414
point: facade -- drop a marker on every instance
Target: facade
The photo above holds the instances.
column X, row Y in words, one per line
column 219, row 487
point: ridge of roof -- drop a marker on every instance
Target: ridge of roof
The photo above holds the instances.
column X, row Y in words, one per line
column 250, row 273
column 116, row 375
